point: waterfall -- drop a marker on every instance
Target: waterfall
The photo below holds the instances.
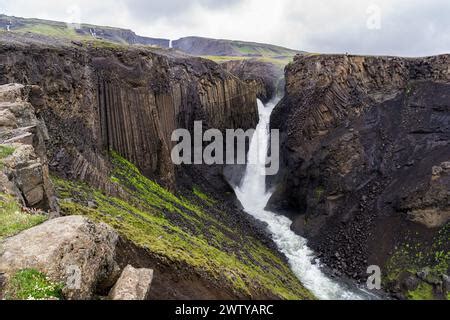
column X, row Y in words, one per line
column 253, row 196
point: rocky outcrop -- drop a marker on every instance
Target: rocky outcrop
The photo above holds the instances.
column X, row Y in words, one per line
column 265, row 77
column 130, row 100
column 133, row 284
column 429, row 205
column 71, row 250
column 365, row 150
column 24, row 171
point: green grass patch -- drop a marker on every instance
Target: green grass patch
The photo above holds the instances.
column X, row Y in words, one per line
column 181, row 228
column 13, row 220
column 58, row 31
column 424, row 291
column 6, row 151
column 30, row 284
column 105, row 44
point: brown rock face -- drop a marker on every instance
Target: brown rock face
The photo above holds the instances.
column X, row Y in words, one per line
column 365, row 148
column 130, row 100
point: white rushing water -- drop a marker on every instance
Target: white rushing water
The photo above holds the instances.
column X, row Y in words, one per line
column 253, row 196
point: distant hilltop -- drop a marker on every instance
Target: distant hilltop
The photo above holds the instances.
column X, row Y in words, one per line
column 77, row 32
column 220, row 47
column 198, row 46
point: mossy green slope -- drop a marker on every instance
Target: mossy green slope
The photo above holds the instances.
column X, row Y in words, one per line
column 182, row 228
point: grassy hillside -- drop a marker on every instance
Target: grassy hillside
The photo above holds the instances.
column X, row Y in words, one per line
column 184, row 228
column 260, row 49
column 218, row 50
column 78, row 32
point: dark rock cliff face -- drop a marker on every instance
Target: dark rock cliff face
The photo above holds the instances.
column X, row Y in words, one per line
column 96, row 98
column 266, row 78
column 365, row 156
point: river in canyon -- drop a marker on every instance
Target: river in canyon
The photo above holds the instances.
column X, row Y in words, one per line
column 253, row 196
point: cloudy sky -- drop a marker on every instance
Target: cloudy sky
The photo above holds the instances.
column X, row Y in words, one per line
column 398, row 27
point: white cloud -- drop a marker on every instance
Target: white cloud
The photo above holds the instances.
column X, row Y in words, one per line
column 407, row 27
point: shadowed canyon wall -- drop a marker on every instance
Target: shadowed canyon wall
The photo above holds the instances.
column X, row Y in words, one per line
column 365, row 156
column 265, row 77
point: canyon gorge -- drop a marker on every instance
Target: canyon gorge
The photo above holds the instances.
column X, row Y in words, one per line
column 85, row 144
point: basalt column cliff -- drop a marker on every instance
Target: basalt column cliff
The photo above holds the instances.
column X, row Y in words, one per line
column 129, row 101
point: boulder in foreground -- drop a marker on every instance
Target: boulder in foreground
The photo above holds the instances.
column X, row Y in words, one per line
column 133, row 284
column 70, row 250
